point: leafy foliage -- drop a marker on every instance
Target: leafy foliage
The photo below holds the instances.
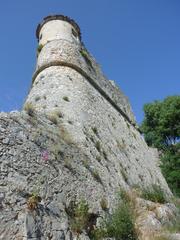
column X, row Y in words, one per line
column 154, row 194
column 171, row 167
column 161, row 126
column 39, row 48
column 80, row 217
column 161, row 129
column 119, row 225
column 86, row 57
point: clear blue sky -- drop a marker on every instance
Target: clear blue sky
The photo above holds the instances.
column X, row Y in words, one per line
column 137, row 43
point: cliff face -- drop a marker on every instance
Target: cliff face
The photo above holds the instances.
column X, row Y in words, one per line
column 77, row 139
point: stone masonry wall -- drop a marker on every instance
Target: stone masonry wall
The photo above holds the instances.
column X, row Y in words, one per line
column 60, row 52
column 83, row 109
column 57, row 29
column 38, row 156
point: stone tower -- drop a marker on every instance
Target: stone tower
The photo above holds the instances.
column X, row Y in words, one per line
column 60, row 48
column 64, row 72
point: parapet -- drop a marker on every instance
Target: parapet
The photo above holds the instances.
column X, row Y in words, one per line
column 57, row 27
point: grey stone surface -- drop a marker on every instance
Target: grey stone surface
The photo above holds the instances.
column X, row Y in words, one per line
column 65, row 173
column 70, row 53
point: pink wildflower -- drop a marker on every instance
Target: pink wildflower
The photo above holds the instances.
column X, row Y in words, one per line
column 45, row 155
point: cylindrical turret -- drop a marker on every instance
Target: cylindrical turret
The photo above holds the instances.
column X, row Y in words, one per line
column 58, row 27
column 59, row 40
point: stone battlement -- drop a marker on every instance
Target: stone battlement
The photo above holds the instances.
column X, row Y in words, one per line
column 57, row 17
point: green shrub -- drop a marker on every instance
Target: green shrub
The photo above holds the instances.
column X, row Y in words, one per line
column 86, row 163
column 86, row 57
column 170, row 162
column 65, row 98
column 65, row 135
column 39, row 48
column 120, row 225
column 105, row 154
column 56, row 149
column 68, row 165
column 175, row 228
column 98, row 146
column 98, row 158
column 124, row 175
column 37, row 98
column 175, row 223
column 121, row 145
column 96, row 175
column 80, row 217
column 154, row 194
column 95, row 130
column 30, row 109
column 98, row 234
column 53, row 118
column 104, row 204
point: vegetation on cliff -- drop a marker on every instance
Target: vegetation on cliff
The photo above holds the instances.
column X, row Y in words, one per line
column 161, row 129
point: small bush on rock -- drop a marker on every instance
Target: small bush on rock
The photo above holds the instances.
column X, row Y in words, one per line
column 30, row 109
column 65, row 98
column 53, row 118
column 85, row 55
column 98, row 234
column 33, row 201
column 39, row 48
column 96, row 175
column 37, row 98
column 95, row 130
column 154, row 194
column 65, row 135
column 86, row 163
column 80, row 217
column 68, row 165
column 104, row 204
column 98, row 146
column 124, row 175
column 120, row 225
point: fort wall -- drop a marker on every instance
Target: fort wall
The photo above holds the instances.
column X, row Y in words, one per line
column 65, row 50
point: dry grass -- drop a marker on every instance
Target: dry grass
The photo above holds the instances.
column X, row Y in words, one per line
column 104, row 204
column 65, row 135
column 30, row 109
column 32, row 202
column 53, row 118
